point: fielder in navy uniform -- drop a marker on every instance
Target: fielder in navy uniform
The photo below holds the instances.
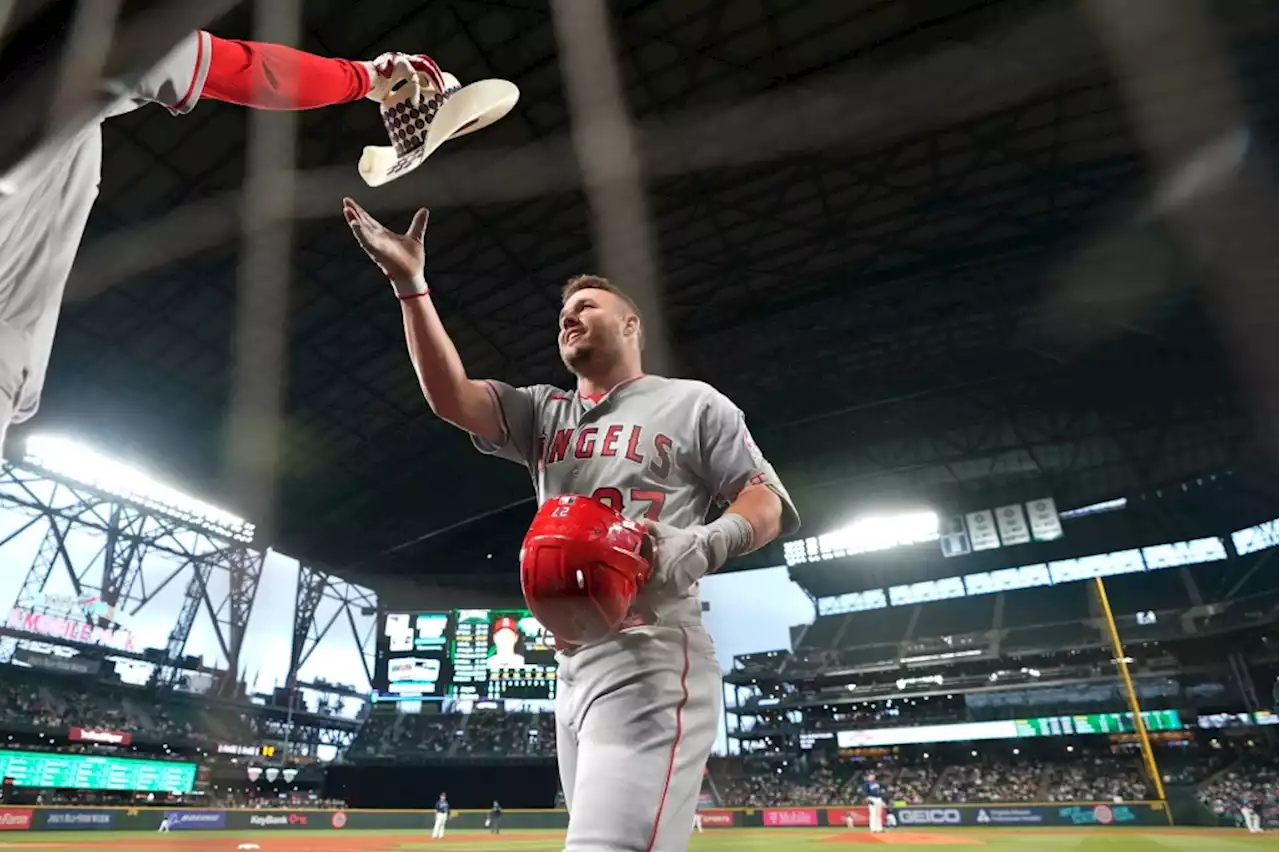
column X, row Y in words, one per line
column 494, row 821
column 442, row 817
column 875, row 797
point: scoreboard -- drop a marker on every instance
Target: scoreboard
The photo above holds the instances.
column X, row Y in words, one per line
column 1008, row 729
column 1097, row 723
column 91, row 772
column 466, row 654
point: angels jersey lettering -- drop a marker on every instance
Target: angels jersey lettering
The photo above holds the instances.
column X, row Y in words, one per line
column 44, row 205
column 653, row 448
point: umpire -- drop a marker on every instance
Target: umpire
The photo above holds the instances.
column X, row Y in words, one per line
column 495, row 817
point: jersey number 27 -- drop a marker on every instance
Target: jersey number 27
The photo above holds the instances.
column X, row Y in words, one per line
column 652, row 500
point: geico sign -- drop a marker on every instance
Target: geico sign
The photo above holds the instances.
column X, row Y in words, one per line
column 929, row 816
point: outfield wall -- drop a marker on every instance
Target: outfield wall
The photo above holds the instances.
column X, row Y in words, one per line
column 934, row 816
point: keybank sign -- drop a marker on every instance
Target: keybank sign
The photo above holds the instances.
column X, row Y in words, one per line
column 277, row 820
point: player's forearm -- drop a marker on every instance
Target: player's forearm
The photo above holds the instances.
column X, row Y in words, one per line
column 443, row 379
column 272, row 76
column 761, row 508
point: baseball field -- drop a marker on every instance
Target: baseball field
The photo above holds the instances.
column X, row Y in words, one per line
column 720, row 840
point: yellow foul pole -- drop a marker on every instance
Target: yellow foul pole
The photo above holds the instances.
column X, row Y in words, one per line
column 1148, row 756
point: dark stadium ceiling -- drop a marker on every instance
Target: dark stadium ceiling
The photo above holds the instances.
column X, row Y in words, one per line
column 913, row 240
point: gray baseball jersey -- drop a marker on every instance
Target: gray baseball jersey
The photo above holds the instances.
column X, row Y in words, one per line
column 44, row 205
column 654, row 448
column 637, row 714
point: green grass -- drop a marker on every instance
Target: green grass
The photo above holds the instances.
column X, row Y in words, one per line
column 714, row 840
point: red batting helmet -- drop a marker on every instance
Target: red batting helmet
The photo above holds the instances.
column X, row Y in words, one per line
column 581, row 566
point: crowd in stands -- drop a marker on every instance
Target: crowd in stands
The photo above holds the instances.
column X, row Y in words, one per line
column 479, row 734
column 773, row 789
column 509, row 735
column 249, row 800
column 1228, row 777
column 1253, row 782
column 1109, row 779
column 993, row 781
column 29, row 704
column 1097, row 779
column 406, row 737
column 818, row 782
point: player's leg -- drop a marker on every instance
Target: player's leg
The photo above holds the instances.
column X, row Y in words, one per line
column 40, row 231
column 876, row 816
column 644, row 740
column 566, row 742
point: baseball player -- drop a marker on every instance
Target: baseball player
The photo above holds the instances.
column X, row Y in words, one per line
column 874, row 794
column 494, row 821
column 46, row 198
column 636, row 712
column 1252, row 821
column 442, row 817
column 505, row 636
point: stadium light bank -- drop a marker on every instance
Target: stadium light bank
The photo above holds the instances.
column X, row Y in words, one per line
column 73, row 461
column 877, row 532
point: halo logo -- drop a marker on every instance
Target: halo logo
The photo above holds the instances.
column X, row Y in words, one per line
column 1104, row 815
column 339, row 819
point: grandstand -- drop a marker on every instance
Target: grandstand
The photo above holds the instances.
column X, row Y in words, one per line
column 984, row 276
column 875, row 670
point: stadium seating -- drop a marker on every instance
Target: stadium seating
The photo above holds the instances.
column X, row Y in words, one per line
column 1251, row 780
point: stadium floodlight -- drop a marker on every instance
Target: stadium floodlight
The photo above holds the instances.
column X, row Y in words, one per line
column 878, row 532
column 78, row 463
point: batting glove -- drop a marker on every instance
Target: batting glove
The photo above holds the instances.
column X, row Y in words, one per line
column 683, row 557
column 413, row 69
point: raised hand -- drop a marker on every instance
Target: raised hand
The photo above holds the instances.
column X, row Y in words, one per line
column 402, row 257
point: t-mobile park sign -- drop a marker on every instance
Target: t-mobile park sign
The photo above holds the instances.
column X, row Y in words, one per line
column 70, row 629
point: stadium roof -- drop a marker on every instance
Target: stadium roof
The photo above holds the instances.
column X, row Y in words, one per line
column 917, row 242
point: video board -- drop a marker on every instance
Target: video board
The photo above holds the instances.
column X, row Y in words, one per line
column 91, row 772
column 466, row 654
column 1008, row 729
